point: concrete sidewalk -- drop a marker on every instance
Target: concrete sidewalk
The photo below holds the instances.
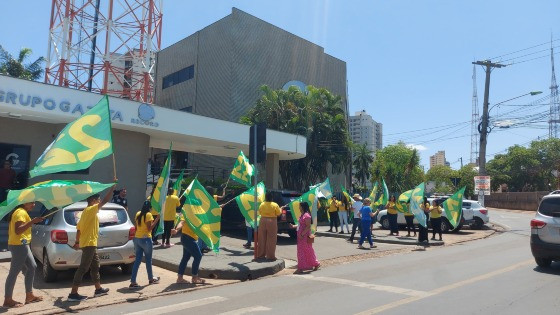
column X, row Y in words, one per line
column 230, row 263
column 380, row 236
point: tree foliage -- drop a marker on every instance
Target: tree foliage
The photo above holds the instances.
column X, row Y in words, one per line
column 18, row 68
column 362, row 162
column 317, row 115
column 526, row 169
column 399, row 166
column 441, row 175
column 466, row 178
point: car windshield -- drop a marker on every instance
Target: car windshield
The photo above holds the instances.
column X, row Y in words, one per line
column 549, row 206
column 106, row 217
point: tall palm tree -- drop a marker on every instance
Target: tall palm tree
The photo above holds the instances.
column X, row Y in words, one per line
column 362, row 161
column 16, row 67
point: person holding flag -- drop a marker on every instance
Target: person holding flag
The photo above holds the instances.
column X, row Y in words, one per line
column 143, row 246
column 356, row 222
column 19, row 237
column 366, row 215
column 333, row 213
column 435, row 219
column 409, row 217
column 190, row 249
column 172, row 202
column 86, row 239
column 392, row 214
column 423, row 231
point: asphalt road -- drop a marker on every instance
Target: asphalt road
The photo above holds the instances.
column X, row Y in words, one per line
column 496, row 275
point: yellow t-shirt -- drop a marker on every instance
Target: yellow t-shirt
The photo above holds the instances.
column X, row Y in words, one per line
column 89, row 226
column 333, row 206
column 269, row 209
column 391, row 209
column 142, row 228
column 407, row 212
column 186, row 229
column 171, row 204
column 20, row 215
column 341, row 206
column 435, row 212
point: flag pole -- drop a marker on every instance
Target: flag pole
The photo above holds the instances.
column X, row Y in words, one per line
column 114, row 166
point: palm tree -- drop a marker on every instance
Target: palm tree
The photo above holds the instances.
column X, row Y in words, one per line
column 16, row 67
column 362, row 161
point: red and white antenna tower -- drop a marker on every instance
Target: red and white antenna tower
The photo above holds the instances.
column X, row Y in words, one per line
column 106, row 47
column 475, row 120
column 553, row 122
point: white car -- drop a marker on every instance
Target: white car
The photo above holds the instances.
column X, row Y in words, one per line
column 480, row 214
column 468, row 217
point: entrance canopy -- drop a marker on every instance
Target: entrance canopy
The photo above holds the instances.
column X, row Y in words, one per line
column 33, row 101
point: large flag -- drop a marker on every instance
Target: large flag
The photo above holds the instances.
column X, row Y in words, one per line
column 384, row 197
column 177, row 184
column 308, row 197
column 160, row 192
column 242, row 170
column 373, row 194
column 346, row 195
column 402, row 200
column 416, row 199
column 52, row 193
column 246, row 203
column 203, row 214
column 453, row 207
column 323, row 189
column 81, row 142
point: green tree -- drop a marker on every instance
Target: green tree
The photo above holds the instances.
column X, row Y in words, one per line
column 399, row 166
column 17, row 68
column 466, row 178
column 317, row 115
column 362, row 162
column 441, row 175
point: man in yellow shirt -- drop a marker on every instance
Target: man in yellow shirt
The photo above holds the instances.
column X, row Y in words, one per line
column 333, row 213
column 86, row 239
column 172, row 202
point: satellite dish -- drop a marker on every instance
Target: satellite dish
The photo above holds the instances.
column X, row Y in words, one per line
column 300, row 85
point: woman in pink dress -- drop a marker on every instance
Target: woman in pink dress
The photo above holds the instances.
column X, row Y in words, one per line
column 305, row 253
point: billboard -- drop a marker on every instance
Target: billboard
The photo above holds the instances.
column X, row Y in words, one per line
column 482, row 184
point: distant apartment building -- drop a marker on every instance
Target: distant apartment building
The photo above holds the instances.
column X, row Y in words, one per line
column 364, row 130
column 438, row 159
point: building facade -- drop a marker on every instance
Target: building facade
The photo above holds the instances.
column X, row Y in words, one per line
column 218, row 71
column 438, row 159
column 364, row 130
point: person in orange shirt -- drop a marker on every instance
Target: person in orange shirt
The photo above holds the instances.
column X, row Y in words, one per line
column 268, row 228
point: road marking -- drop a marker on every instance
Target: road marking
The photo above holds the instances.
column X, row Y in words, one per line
column 180, row 306
column 247, row 310
column 452, row 286
column 370, row 286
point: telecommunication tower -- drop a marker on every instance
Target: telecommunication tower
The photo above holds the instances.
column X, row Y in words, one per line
column 474, row 121
column 106, row 47
column 553, row 128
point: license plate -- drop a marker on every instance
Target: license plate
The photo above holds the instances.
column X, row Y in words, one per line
column 104, row 256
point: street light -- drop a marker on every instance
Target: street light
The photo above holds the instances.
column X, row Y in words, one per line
column 488, row 128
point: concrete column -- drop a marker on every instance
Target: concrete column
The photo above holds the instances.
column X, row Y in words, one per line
column 272, row 170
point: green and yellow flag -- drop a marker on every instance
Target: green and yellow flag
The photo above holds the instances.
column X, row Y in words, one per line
column 242, row 170
column 400, row 205
column 160, row 192
column 81, row 142
column 52, row 193
column 203, row 214
column 373, row 194
column 384, row 197
column 453, row 207
column 308, row 197
column 177, row 185
column 346, row 195
column 416, row 200
column 246, row 203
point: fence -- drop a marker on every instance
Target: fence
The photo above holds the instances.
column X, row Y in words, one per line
column 515, row 200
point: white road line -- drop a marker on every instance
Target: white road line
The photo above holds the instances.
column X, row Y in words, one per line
column 247, row 310
column 370, row 286
column 180, row 306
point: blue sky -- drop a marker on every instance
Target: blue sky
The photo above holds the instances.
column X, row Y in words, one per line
column 408, row 62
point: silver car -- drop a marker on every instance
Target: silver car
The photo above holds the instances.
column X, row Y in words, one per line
column 53, row 238
column 480, row 214
column 545, row 239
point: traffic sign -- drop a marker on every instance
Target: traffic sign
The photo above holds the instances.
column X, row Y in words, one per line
column 482, row 184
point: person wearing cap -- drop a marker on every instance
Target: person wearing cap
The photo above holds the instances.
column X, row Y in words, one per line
column 356, row 206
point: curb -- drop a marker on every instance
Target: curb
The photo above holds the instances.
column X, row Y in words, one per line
column 240, row 272
column 384, row 241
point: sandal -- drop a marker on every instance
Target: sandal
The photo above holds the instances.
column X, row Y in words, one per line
column 14, row 304
column 182, row 281
column 133, row 286
column 35, row 299
column 316, row 267
column 198, row 281
column 154, row 280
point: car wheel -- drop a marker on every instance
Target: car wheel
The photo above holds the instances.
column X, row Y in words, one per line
column 478, row 223
column 292, row 234
column 445, row 225
column 126, row 269
column 385, row 222
column 543, row 262
column 49, row 274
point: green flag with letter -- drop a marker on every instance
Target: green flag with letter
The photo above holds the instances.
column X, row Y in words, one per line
column 52, row 193
column 160, row 192
column 416, row 200
column 400, row 205
column 373, row 194
column 309, row 197
column 242, row 170
column 453, row 207
column 81, row 142
column 177, row 184
column 203, row 215
column 246, row 203
column 346, row 195
column 384, row 197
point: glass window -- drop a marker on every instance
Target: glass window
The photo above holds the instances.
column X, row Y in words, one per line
column 106, row 216
column 180, row 76
column 550, row 207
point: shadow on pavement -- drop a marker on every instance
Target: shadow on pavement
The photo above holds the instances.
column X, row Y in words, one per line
column 554, row 269
column 109, row 274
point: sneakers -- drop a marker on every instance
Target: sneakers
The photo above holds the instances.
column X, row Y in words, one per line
column 372, row 246
column 247, row 245
column 75, row 297
column 100, row 292
column 155, row 280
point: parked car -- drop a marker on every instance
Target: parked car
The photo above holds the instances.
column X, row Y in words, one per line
column 480, row 214
column 53, row 239
column 233, row 219
column 545, row 239
column 467, row 217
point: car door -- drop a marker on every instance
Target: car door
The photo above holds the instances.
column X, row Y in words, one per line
column 468, row 212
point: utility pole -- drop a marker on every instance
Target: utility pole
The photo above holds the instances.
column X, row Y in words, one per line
column 483, row 127
column 461, row 158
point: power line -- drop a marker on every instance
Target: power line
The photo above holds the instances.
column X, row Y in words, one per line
column 524, row 49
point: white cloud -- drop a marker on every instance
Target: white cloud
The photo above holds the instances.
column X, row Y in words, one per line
column 418, row 147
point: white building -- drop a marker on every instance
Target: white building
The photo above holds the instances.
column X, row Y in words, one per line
column 438, row 159
column 364, row 130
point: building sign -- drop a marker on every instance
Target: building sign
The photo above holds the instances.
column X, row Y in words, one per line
column 146, row 114
column 482, row 184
